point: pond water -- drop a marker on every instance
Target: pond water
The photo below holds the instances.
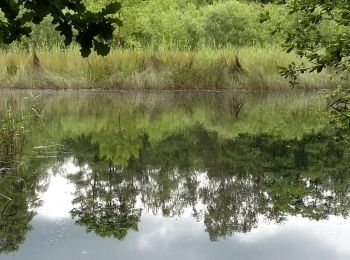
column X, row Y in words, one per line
column 176, row 176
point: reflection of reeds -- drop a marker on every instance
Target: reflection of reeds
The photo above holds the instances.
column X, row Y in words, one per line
column 14, row 124
column 11, row 139
column 252, row 68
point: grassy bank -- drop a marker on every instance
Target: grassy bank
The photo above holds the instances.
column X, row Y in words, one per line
column 251, row 68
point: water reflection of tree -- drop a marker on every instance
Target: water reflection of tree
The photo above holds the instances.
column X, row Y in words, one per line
column 248, row 177
column 105, row 197
column 19, row 190
column 15, row 215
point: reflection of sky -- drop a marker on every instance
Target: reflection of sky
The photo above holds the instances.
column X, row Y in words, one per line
column 55, row 236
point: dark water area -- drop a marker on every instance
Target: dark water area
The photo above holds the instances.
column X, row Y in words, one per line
column 176, row 176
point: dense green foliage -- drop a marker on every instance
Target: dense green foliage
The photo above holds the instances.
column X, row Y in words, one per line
column 321, row 36
column 70, row 18
column 188, row 24
column 323, row 47
column 183, row 24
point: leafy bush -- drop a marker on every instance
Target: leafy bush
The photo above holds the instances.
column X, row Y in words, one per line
column 238, row 23
column 225, row 24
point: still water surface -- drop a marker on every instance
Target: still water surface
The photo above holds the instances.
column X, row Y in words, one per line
column 177, row 176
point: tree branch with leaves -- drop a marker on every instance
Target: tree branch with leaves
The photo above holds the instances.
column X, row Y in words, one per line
column 309, row 40
column 91, row 30
column 313, row 41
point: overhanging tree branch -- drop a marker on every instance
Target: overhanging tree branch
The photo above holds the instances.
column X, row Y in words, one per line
column 71, row 18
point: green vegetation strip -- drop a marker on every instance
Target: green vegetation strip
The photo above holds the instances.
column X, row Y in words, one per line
column 250, row 68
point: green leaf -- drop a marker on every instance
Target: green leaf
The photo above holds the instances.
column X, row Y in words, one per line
column 101, row 48
column 111, row 8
